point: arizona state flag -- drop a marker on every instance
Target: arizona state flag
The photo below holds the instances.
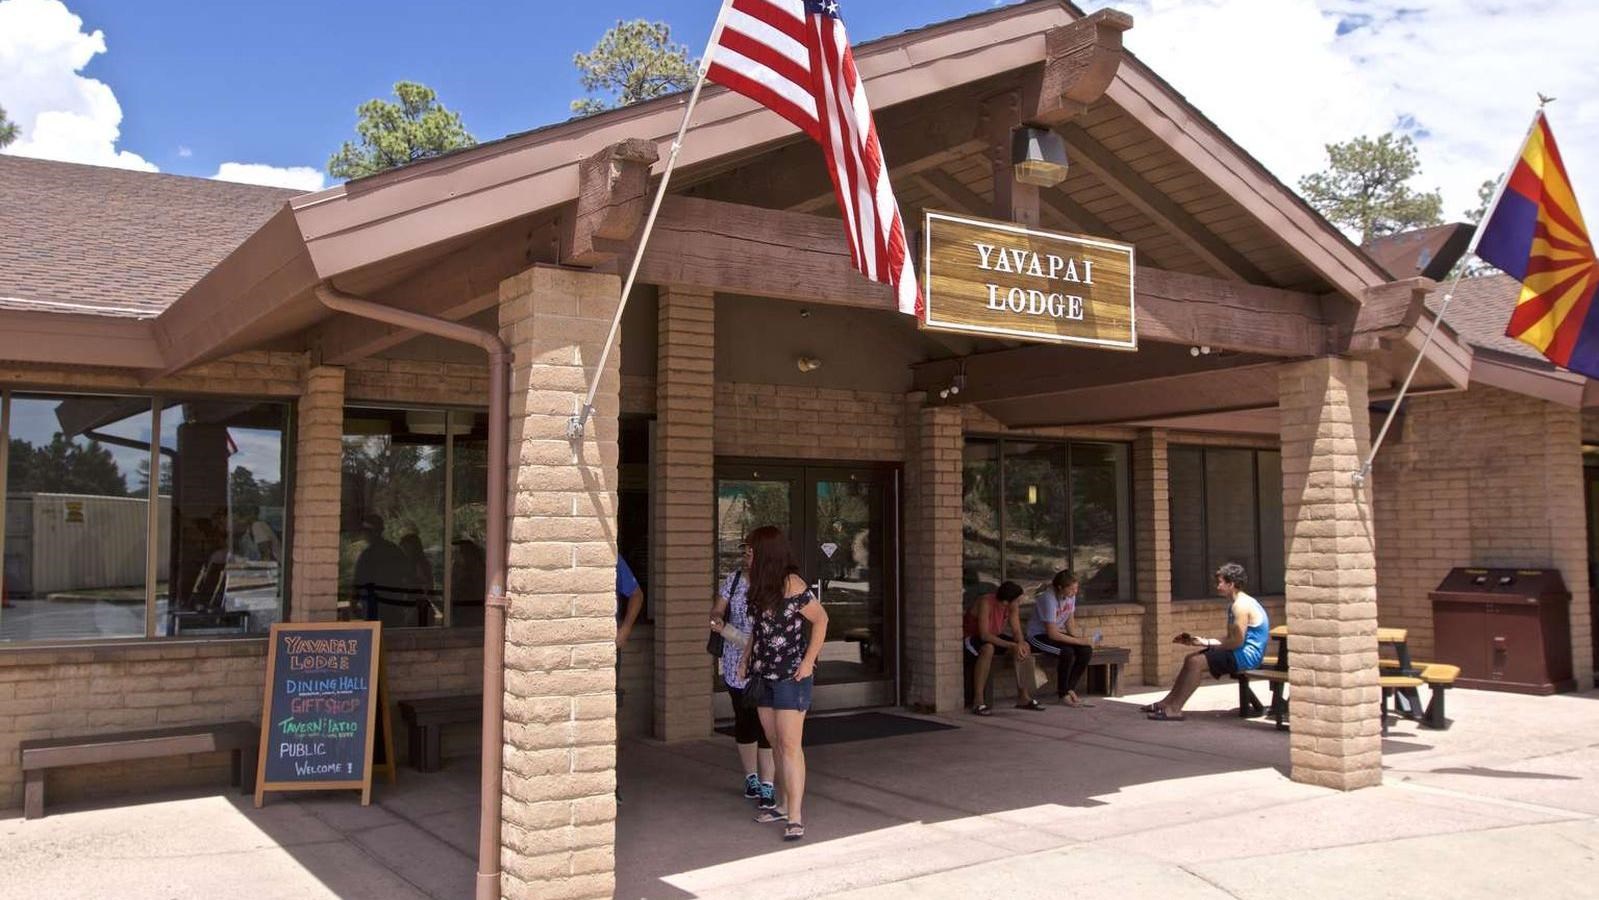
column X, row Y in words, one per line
column 1535, row 233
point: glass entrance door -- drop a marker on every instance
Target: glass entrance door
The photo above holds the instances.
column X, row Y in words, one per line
column 842, row 523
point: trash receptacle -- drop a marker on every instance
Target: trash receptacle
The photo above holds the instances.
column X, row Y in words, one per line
column 1507, row 629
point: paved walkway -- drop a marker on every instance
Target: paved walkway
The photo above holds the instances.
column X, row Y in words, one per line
column 1096, row 802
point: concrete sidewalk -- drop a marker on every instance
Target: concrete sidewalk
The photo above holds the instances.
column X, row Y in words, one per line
column 1095, row 802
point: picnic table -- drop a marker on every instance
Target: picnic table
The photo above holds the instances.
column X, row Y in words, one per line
column 1400, row 677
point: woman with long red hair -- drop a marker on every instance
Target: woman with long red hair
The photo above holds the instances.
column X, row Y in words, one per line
column 790, row 628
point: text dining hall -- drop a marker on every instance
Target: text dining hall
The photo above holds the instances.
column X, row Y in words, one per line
column 1140, row 362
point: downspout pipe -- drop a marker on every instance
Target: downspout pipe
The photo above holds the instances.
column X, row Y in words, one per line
column 495, row 603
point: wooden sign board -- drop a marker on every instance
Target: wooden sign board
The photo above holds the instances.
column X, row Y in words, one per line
column 1005, row 280
column 321, row 701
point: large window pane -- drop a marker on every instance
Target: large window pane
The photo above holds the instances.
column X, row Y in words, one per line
column 469, row 483
column 1100, row 539
column 981, row 571
column 1037, row 540
column 224, row 517
column 1230, row 510
column 1190, row 579
column 391, row 557
column 1269, row 464
column 76, row 518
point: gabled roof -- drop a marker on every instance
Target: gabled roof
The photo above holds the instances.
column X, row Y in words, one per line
column 1428, row 252
column 112, row 242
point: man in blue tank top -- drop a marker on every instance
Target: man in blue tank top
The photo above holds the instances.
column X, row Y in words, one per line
column 1247, row 629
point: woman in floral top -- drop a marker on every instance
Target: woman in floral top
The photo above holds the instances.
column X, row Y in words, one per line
column 730, row 617
column 790, row 628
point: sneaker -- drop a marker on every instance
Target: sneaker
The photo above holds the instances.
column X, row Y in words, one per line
column 752, row 787
column 768, row 795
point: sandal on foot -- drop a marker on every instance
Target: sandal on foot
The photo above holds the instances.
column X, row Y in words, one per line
column 1032, row 705
column 794, row 831
column 982, row 709
column 1160, row 715
column 1149, row 707
column 768, row 816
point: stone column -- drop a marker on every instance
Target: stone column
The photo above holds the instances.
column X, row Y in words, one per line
column 318, row 474
column 1330, row 538
column 1152, row 520
column 559, row 784
column 684, row 551
column 933, row 553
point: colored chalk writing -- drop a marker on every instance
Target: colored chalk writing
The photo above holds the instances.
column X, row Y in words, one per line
column 321, row 701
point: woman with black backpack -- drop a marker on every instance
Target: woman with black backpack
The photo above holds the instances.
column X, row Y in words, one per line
column 730, row 621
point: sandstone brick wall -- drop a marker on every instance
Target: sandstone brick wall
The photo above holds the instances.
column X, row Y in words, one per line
column 932, row 553
column 764, row 420
column 48, row 693
column 1480, row 478
column 1330, row 539
column 60, row 692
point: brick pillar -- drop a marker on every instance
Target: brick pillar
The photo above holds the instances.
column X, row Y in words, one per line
column 684, row 551
column 933, row 552
column 1567, row 510
column 559, row 811
column 1152, row 520
column 1330, row 539
column 318, row 471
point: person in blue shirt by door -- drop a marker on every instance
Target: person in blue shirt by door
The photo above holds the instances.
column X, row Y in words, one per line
column 1247, row 629
column 629, row 602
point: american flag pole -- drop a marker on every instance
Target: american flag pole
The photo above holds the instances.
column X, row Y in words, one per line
column 579, row 421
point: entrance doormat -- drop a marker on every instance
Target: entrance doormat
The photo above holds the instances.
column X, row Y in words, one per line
column 865, row 726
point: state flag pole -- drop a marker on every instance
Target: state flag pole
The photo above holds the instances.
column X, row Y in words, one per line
column 1460, row 271
column 579, row 421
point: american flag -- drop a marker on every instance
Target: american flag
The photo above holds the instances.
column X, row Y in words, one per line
column 793, row 57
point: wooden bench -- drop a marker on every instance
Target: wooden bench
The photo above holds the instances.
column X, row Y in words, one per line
column 1439, row 678
column 1391, row 684
column 240, row 738
column 425, row 719
column 1249, row 706
column 1106, row 664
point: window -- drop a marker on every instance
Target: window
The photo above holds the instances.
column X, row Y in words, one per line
column 96, row 548
column 1226, row 506
column 1032, row 508
column 413, row 516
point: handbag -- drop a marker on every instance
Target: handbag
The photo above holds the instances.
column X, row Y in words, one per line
column 715, row 644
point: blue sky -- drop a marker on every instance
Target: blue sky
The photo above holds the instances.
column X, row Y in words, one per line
column 265, row 92
column 278, row 83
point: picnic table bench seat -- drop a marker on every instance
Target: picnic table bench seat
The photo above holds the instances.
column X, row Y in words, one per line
column 1249, row 706
column 242, row 739
column 425, row 719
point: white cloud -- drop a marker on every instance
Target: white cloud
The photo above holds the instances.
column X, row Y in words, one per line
column 184, row 152
column 1285, row 77
column 62, row 115
column 302, row 178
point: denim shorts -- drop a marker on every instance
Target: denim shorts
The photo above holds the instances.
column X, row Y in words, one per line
column 786, row 693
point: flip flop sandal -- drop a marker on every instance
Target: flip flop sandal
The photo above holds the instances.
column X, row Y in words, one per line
column 769, row 816
column 1159, row 715
column 794, row 831
column 1032, row 705
column 982, row 709
column 1149, row 707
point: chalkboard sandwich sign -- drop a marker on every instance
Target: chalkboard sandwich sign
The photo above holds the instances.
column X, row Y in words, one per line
column 320, row 706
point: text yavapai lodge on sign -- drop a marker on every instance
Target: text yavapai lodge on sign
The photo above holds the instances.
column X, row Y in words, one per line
column 1031, row 301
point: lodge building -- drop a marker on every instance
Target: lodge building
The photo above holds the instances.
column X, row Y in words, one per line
column 210, row 394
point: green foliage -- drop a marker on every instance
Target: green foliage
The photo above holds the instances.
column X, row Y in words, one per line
column 8, row 129
column 418, row 127
column 1485, row 194
column 1365, row 188
column 633, row 61
column 64, row 467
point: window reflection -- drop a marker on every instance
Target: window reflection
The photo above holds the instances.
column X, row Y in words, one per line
column 224, row 517
column 76, row 518
column 413, row 515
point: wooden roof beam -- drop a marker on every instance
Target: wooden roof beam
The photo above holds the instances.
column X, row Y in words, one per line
column 1141, row 195
column 612, row 197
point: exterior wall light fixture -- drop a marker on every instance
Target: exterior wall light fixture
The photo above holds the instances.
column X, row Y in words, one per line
column 807, row 364
column 1038, row 156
